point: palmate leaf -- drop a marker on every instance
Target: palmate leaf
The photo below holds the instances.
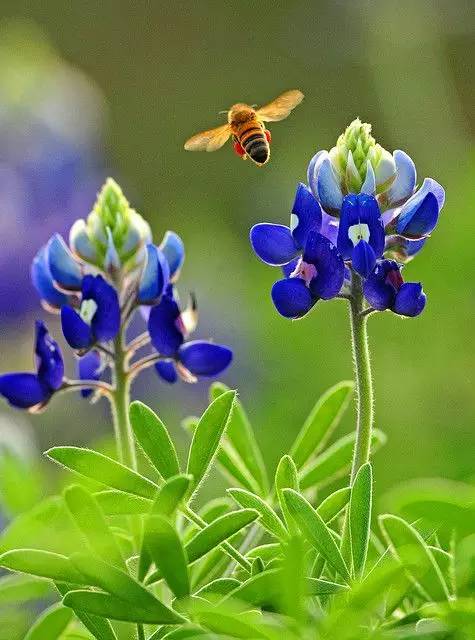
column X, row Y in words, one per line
column 415, row 556
column 335, row 461
column 104, row 470
column 51, row 624
column 207, row 436
column 316, row 531
column 153, row 437
column 242, row 440
column 44, row 564
column 360, row 517
column 90, row 521
column 166, row 550
column 321, row 422
column 268, row 518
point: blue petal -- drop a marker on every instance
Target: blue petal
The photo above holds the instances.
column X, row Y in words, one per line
column 65, row 270
column 402, row 249
column 204, row 358
column 50, row 360
column 23, row 390
column 306, row 215
column 419, row 220
column 330, row 227
column 289, row 268
column 329, row 264
column 77, row 333
column 405, row 181
column 105, row 323
column 162, row 326
column 363, row 259
column 313, row 169
column 377, row 291
column 292, row 298
column 167, row 371
column 111, row 259
column 328, row 188
column 174, row 250
column 369, row 184
column 360, row 209
column 410, row 300
column 273, row 243
column 89, row 368
column 155, row 276
column 43, row 281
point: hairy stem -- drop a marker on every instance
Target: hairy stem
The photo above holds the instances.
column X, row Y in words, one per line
column 120, row 406
column 363, row 380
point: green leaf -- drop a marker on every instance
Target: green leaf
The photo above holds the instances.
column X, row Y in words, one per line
column 408, row 546
column 44, row 564
column 286, row 477
column 104, row 470
column 216, row 532
column 293, row 580
column 241, row 436
column 360, row 517
column 316, row 531
column 51, row 624
column 321, row 422
column 184, row 633
column 220, row 586
column 106, row 606
column 335, row 461
column 154, row 439
column 118, row 503
column 167, row 552
column 268, row 518
column 207, row 436
column 18, row 588
column 92, row 524
column 266, row 552
column 99, row 627
column 334, row 504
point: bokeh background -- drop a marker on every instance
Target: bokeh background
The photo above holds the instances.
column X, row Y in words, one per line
column 88, row 90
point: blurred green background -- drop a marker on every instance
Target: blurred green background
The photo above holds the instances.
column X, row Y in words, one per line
column 144, row 76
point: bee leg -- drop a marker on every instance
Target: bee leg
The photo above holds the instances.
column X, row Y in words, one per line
column 239, row 149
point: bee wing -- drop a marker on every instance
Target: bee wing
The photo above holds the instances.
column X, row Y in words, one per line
column 280, row 108
column 210, row 140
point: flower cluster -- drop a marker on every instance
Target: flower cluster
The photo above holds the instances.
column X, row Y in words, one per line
column 110, row 270
column 361, row 213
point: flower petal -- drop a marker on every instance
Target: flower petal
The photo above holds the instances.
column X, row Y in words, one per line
column 105, row 323
column 405, row 181
column 155, row 276
column 65, row 270
column 410, row 300
column 313, row 170
column 329, row 227
column 306, row 215
column 369, row 184
column 174, row 250
column 204, row 358
column 23, row 390
column 402, row 249
column 360, row 210
column 377, row 291
column 329, row 265
column 167, row 371
column 328, row 188
column 50, row 360
column 289, row 268
column 420, row 219
column 89, row 368
column 43, row 281
column 80, row 242
column 292, row 298
column 162, row 326
column 78, row 334
column 363, row 259
column 273, row 243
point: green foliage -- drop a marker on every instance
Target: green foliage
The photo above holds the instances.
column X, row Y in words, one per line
column 272, row 563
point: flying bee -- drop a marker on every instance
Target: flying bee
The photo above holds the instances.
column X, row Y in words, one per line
column 246, row 125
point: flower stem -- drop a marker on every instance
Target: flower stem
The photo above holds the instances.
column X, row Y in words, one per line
column 120, row 406
column 363, row 380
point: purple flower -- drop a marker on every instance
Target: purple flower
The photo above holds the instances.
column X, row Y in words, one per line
column 89, row 368
column 168, row 328
column 385, row 289
column 33, row 391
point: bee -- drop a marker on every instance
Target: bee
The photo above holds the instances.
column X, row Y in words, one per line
column 246, row 124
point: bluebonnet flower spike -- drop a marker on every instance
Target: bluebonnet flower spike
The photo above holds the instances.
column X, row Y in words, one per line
column 33, row 391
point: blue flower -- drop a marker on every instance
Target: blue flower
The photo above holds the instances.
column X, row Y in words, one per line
column 174, row 251
column 89, row 368
column 277, row 244
column 33, row 391
column 168, row 328
column 385, row 289
column 51, row 298
column 418, row 217
column 361, row 232
column 155, row 276
column 319, row 274
column 98, row 319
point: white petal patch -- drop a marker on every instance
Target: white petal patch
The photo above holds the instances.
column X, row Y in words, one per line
column 294, row 221
column 358, row 232
column 88, row 309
